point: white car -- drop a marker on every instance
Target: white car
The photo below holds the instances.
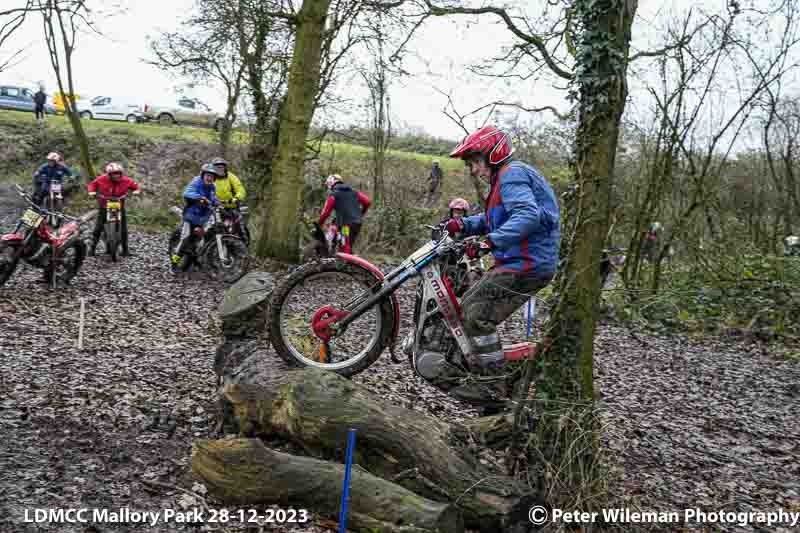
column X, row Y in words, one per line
column 107, row 108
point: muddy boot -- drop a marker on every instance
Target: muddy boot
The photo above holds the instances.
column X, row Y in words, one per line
column 488, row 388
column 175, row 264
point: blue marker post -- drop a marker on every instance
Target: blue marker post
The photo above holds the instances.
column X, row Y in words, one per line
column 531, row 312
column 351, row 443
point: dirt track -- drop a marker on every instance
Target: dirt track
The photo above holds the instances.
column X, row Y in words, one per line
column 689, row 424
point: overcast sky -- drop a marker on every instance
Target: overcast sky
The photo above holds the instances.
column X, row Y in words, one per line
column 114, row 64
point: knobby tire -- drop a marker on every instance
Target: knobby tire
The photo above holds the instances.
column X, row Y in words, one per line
column 363, row 276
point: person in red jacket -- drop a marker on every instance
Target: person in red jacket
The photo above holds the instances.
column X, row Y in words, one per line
column 112, row 183
column 350, row 207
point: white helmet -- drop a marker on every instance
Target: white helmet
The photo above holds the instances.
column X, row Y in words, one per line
column 113, row 167
column 53, row 156
column 332, row 180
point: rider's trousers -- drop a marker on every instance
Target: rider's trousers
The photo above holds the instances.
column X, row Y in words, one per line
column 488, row 303
column 187, row 236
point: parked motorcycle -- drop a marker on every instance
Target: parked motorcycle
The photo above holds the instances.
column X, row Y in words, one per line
column 350, row 336
column 216, row 250
column 58, row 252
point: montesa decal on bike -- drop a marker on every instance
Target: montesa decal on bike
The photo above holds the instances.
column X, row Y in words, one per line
column 446, row 304
column 12, row 237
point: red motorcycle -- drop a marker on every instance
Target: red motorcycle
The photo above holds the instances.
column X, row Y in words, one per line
column 59, row 252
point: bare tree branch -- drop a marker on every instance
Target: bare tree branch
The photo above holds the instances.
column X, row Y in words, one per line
column 528, row 38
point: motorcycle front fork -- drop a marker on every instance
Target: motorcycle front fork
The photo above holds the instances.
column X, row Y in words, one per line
column 221, row 250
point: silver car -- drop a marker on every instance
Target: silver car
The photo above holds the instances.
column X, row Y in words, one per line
column 107, row 108
column 21, row 99
column 186, row 111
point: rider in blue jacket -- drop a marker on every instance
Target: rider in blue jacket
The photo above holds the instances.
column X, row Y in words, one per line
column 522, row 225
column 53, row 170
column 199, row 197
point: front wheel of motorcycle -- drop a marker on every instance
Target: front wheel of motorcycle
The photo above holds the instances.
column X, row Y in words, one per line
column 328, row 282
column 112, row 242
column 235, row 264
column 8, row 263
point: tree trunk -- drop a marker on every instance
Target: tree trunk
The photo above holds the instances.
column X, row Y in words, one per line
column 562, row 452
column 280, row 236
column 54, row 13
column 245, row 472
column 316, row 409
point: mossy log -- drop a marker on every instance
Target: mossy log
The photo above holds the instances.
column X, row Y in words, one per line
column 493, row 431
column 315, row 409
column 245, row 472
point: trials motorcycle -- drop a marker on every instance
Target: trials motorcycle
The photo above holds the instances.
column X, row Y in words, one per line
column 54, row 202
column 112, row 229
column 325, row 242
column 59, row 252
column 217, row 250
column 348, row 336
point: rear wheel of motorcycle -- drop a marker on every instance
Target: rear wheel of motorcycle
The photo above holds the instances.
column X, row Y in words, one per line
column 68, row 265
column 236, row 265
column 365, row 278
column 8, row 263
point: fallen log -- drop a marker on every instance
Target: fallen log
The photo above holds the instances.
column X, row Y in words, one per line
column 245, row 472
column 315, row 409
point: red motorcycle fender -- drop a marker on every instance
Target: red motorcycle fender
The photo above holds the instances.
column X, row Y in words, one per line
column 12, row 238
column 363, row 263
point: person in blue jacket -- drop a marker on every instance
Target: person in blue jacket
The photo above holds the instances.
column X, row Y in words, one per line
column 199, row 197
column 53, row 170
column 522, row 225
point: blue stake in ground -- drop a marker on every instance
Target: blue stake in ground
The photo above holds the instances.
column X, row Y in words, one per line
column 351, row 443
column 531, row 313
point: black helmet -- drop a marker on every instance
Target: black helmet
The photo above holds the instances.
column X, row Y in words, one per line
column 219, row 161
column 209, row 168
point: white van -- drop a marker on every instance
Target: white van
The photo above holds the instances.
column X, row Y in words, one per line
column 108, row 108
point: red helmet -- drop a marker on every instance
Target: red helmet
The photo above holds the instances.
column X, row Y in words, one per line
column 488, row 141
column 459, row 203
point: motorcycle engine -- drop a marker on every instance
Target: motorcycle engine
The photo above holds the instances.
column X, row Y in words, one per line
column 438, row 358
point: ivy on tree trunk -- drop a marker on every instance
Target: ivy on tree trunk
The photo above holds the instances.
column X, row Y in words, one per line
column 561, row 452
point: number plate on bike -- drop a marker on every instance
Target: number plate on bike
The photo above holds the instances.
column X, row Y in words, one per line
column 31, row 218
column 114, row 205
column 55, row 187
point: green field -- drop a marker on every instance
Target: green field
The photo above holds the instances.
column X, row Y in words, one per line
column 177, row 133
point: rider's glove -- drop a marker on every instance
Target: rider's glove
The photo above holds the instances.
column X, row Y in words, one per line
column 454, row 225
column 475, row 251
column 202, row 201
column 93, row 193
